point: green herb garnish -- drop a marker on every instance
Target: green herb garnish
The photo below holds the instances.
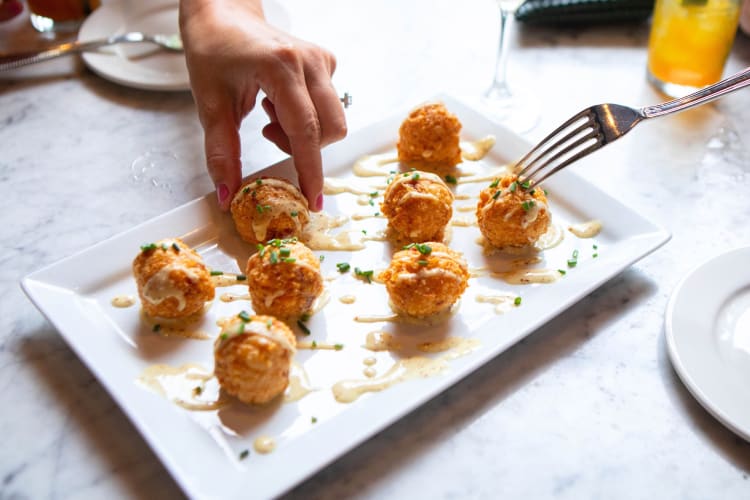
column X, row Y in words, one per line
column 422, row 262
column 343, row 267
column 156, row 328
column 495, row 183
column 274, row 257
column 148, row 246
column 366, row 275
column 496, row 194
column 450, row 179
column 241, row 277
column 244, row 316
column 176, row 247
column 517, row 301
column 216, row 273
column 526, row 205
column 513, row 187
column 303, row 327
column 244, row 454
column 338, row 347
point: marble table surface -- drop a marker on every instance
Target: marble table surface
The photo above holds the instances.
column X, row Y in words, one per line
column 588, row 406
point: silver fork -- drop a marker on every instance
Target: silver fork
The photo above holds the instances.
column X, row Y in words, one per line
column 596, row 126
column 171, row 42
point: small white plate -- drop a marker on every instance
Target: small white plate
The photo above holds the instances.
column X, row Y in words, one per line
column 145, row 66
column 708, row 337
column 201, row 449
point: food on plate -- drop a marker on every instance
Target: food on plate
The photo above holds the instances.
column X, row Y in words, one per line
column 268, row 207
column 284, row 278
column 253, row 356
column 418, row 206
column 173, row 281
column 425, row 279
column 430, row 134
column 512, row 213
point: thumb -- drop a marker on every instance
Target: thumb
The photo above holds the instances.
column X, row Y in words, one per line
column 222, row 145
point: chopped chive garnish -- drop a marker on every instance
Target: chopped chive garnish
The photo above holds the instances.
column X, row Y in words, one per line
column 377, row 214
column 156, row 327
column 595, row 255
column 289, row 260
column 216, row 273
column 415, row 177
column 246, row 190
column 274, row 257
column 367, row 275
column 197, row 390
column 513, row 187
column 314, row 345
column 526, row 205
column 572, row 263
column 545, row 192
column 495, row 183
column 241, row 329
column 424, row 248
column 176, row 247
column 164, row 247
column 269, row 323
column 371, row 203
column 284, row 252
column 364, row 231
column 373, row 194
column 303, row 327
column 450, row 179
column 575, row 254
column 561, row 271
column 294, row 213
column 224, row 336
column 532, row 192
column 422, row 262
column 258, row 181
column 305, row 317
column 526, row 184
column 407, row 247
column 338, row 347
column 244, row 454
column 595, row 247
column 148, row 246
column 496, row 194
column 244, row 316
column 314, row 420
column 241, row 277
column 322, row 258
column 517, row 301
column 343, row 267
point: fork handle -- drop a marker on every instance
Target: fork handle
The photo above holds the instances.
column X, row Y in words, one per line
column 19, row 59
column 718, row 89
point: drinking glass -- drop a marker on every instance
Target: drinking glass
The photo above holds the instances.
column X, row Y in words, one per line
column 52, row 16
column 516, row 110
column 689, row 43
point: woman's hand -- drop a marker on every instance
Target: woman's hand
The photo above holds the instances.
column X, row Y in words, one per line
column 232, row 53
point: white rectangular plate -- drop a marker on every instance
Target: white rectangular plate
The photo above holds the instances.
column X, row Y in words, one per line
column 202, row 449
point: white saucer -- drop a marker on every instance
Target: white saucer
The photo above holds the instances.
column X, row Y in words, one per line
column 708, row 337
column 144, row 66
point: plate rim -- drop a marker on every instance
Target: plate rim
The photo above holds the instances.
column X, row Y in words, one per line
column 687, row 378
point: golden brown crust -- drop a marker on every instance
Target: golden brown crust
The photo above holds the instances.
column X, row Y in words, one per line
column 284, row 284
column 422, row 284
column 418, row 205
column 250, row 366
column 268, row 208
column 172, row 283
column 430, row 134
column 514, row 218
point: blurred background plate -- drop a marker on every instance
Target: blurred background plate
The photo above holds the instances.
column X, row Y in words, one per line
column 144, row 66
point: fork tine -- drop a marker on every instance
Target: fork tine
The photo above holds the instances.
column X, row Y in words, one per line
column 583, row 114
column 598, row 144
column 528, row 171
column 593, row 134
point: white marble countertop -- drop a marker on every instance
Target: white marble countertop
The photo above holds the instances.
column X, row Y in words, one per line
column 587, row 407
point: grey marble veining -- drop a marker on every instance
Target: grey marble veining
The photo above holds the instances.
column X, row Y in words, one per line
column 586, row 407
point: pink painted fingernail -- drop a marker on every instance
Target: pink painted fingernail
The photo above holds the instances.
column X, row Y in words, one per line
column 222, row 192
column 319, row 202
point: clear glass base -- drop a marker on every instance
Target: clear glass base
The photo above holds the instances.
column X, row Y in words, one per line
column 517, row 111
column 48, row 25
column 670, row 89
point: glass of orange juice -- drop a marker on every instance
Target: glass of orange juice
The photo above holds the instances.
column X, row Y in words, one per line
column 689, row 44
column 59, row 15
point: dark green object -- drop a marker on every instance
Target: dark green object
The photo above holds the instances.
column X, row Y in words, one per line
column 579, row 12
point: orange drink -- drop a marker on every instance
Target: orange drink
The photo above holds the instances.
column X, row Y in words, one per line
column 689, row 44
column 59, row 15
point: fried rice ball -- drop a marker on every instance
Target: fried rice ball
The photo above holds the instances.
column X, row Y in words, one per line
column 252, row 357
column 418, row 205
column 430, row 134
column 284, row 278
column 267, row 208
column 173, row 281
column 425, row 279
column 511, row 213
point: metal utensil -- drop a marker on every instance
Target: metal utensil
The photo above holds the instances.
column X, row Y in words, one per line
column 171, row 42
column 596, row 126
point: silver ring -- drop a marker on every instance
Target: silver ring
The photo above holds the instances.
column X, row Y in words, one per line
column 347, row 99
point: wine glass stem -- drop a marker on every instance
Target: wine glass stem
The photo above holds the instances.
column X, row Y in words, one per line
column 499, row 87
